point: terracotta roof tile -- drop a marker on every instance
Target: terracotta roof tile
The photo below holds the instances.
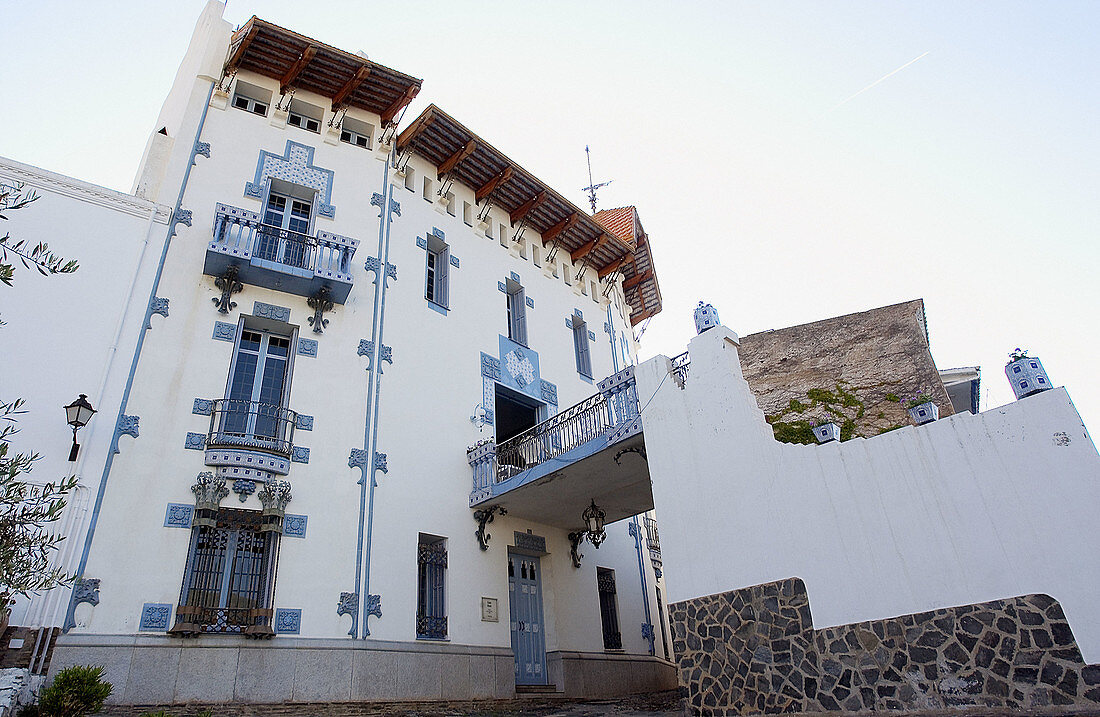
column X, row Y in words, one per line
column 619, row 221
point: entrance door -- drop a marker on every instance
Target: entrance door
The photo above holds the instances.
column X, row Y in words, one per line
column 525, row 612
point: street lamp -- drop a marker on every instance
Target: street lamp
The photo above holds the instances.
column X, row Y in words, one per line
column 593, row 520
column 77, row 414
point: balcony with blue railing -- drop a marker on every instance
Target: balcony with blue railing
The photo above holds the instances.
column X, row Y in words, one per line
column 278, row 258
column 250, row 440
column 593, row 451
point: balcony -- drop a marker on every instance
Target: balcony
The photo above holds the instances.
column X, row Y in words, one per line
column 591, row 451
column 250, row 440
column 278, row 258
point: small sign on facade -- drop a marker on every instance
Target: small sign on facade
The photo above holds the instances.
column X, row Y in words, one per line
column 489, row 611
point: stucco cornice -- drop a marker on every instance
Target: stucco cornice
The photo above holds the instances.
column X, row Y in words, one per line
column 84, row 191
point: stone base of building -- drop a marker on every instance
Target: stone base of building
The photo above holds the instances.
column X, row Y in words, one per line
column 754, row 651
column 217, row 669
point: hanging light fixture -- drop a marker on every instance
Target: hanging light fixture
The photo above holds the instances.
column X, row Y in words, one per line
column 77, row 415
column 593, row 521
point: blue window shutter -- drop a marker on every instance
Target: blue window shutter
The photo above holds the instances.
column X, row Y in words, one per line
column 519, row 314
column 445, row 278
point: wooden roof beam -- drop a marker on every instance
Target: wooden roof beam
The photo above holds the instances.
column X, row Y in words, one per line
column 524, row 209
column 350, row 87
column 560, row 228
column 391, row 112
column 451, row 162
column 588, row 248
column 489, row 187
column 410, row 133
column 238, row 54
column 296, row 69
column 615, row 265
column 637, row 279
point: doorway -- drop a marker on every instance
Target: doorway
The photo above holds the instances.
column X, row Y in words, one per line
column 525, row 614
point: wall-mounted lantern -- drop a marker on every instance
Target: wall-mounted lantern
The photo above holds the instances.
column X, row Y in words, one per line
column 593, row 521
column 77, row 414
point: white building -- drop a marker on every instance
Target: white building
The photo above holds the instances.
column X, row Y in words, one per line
column 293, row 330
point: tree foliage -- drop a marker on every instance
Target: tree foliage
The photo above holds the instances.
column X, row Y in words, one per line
column 38, row 256
column 75, row 692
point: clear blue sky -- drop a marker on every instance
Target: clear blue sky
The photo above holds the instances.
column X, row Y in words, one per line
column 970, row 178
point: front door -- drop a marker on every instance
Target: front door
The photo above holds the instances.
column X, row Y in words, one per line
column 525, row 613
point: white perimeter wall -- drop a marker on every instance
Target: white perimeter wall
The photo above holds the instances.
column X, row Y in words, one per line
column 967, row 509
column 69, row 334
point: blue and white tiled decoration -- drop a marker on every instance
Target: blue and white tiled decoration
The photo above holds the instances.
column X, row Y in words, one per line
column 294, row 526
column 515, row 277
column 529, row 301
column 300, row 454
column 287, row 621
column 202, row 407
column 155, row 617
column 549, row 392
column 294, row 166
column 304, row 422
column 307, row 347
column 224, row 331
column 194, row 441
column 1027, row 376
column 178, row 515
column 270, row 311
column 706, row 317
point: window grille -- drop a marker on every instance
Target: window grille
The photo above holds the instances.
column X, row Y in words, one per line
column 609, row 611
column 431, row 614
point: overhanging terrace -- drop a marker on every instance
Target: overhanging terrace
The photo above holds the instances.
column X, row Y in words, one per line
column 593, row 451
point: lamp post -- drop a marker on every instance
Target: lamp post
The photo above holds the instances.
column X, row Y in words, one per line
column 77, row 414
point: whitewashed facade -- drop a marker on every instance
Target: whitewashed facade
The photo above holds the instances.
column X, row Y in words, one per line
column 349, row 413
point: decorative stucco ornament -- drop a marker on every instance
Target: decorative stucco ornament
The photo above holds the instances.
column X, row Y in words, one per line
column 1027, row 376
column 706, row 317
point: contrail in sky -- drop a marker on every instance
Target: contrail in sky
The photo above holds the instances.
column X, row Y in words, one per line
column 888, row 74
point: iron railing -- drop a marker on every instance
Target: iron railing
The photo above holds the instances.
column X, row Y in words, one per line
column 240, row 233
column 251, row 424
column 653, row 538
column 601, row 415
column 680, row 366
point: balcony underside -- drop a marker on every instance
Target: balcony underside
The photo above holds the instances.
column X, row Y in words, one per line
column 276, row 275
column 557, row 492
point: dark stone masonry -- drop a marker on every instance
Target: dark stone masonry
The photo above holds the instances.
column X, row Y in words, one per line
column 755, row 650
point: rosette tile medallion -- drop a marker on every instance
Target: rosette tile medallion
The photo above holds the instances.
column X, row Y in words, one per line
column 754, row 651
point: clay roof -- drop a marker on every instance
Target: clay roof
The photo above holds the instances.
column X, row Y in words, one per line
column 640, row 286
column 619, row 221
column 300, row 62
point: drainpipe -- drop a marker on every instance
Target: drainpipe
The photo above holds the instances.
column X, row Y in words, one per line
column 374, row 387
column 636, row 530
column 69, row 614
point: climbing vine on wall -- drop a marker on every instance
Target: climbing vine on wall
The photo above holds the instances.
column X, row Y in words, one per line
column 795, row 423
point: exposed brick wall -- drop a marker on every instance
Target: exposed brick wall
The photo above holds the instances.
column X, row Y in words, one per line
column 874, row 353
column 21, row 656
column 754, row 651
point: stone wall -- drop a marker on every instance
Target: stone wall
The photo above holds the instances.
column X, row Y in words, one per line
column 877, row 356
column 755, row 650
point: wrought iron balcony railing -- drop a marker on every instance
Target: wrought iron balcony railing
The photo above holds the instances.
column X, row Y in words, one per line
column 279, row 258
column 251, row 424
column 611, row 414
column 680, row 366
column 653, row 538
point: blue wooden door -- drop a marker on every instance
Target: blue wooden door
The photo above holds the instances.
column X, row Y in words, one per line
column 525, row 613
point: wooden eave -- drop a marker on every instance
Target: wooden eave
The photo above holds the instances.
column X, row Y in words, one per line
column 439, row 138
column 301, row 63
column 640, row 286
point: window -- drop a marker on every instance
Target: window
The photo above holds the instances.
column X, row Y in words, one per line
column 230, row 573
column 431, row 608
column 285, row 236
column 251, row 98
column 467, row 213
column 517, row 312
column 427, row 189
column 304, row 115
column 355, row 132
column 436, row 284
column 609, row 611
column 254, row 412
column 581, row 348
column 410, row 179
column 450, row 203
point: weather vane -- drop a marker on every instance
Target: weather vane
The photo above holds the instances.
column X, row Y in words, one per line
column 591, row 188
